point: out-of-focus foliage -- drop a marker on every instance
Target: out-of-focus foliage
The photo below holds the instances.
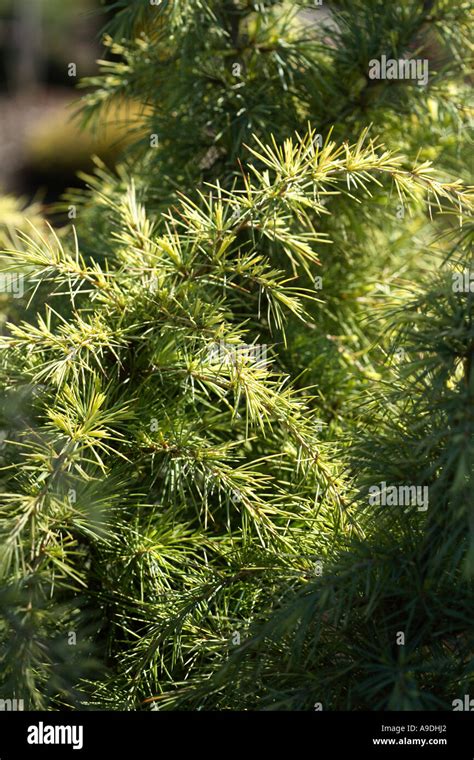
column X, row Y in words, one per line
column 58, row 145
column 194, row 507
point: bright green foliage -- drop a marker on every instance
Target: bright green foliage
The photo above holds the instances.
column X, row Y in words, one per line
column 409, row 570
column 192, row 510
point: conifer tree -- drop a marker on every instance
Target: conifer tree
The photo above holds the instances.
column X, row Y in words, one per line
column 389, row 626
column 252, row 323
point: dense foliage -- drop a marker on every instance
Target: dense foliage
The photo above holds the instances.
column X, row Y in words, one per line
column 248, row 326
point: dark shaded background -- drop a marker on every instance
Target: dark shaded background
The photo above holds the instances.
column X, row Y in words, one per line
column 41, row 147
